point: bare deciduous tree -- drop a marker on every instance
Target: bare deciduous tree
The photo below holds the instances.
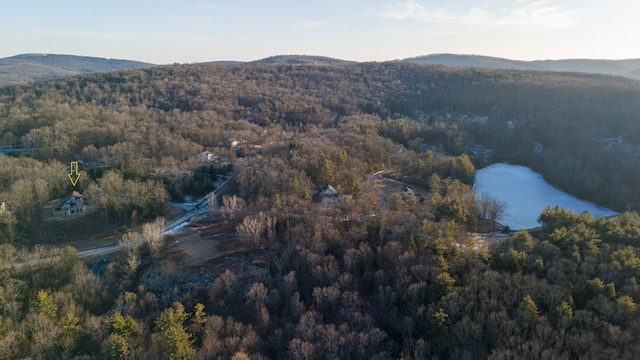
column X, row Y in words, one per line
column 152, row 232
column 131, row 242
column 231, row 204
column 491, row 209
column 257, row 230
column 212, row 201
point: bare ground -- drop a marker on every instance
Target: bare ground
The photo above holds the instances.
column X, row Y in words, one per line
column 195, row 256
column 486, row 239
column 203, row 241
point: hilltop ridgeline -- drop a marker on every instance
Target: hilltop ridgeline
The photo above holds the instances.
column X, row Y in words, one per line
column 38, row 67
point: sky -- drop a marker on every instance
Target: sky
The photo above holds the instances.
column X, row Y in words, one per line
column 187, row 31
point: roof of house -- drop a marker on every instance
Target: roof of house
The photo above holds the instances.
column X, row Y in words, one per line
column 74, row 195
column 407, row 190
column 327, row 190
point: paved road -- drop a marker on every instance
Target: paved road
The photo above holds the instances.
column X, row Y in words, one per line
column 199, row 207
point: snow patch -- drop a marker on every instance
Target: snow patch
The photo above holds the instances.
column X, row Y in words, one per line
column 176, row 228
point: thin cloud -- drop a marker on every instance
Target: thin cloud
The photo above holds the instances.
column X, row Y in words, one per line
column 308, row 24
column 191, row 19
column 526, row 15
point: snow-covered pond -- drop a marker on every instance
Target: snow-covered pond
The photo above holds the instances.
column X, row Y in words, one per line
column 526, row 194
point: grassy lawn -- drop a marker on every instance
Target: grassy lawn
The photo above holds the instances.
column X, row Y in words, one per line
column 83, row 230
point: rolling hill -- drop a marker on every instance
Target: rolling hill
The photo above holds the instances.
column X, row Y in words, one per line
column 38, row 67
column 287, row 60
column 627, row 68
column 300, row 60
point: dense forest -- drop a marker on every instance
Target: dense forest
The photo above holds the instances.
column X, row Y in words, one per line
column 394, row 277
column 584, row 124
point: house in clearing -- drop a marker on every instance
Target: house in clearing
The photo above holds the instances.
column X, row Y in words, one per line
column 70, row 204
column 326, row 195
column 217, row 161
column 205, row 157
column 407, row 190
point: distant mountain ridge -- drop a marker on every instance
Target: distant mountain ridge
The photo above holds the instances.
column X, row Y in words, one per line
column 39, row 67
column 26, row 68
column 288, row 60
column 629, row 68
column 301, row 60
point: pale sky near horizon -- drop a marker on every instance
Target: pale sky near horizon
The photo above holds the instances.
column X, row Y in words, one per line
column 168, row 31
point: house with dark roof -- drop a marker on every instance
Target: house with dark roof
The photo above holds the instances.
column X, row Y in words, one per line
column 70, row 204
column 407, row 190
column 326, row 195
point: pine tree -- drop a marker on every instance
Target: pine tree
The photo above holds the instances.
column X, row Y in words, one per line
column 45, row 305
column 170, row 325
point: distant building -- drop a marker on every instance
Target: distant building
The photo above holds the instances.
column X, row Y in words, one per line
column 206, row 156
column 480, row 119
column 480, row 152
column 70, row 204
column 407, row 190
column 326, row 195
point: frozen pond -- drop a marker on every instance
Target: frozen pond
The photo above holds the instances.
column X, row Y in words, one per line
column 526, row 194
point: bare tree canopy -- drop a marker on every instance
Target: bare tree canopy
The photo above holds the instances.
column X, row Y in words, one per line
column 491, row 209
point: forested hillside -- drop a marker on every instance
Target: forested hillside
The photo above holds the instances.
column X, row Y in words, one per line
column 381, row 276
column 585, row 126
column 300, row 60
column 628, row 68
column 38, row 67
